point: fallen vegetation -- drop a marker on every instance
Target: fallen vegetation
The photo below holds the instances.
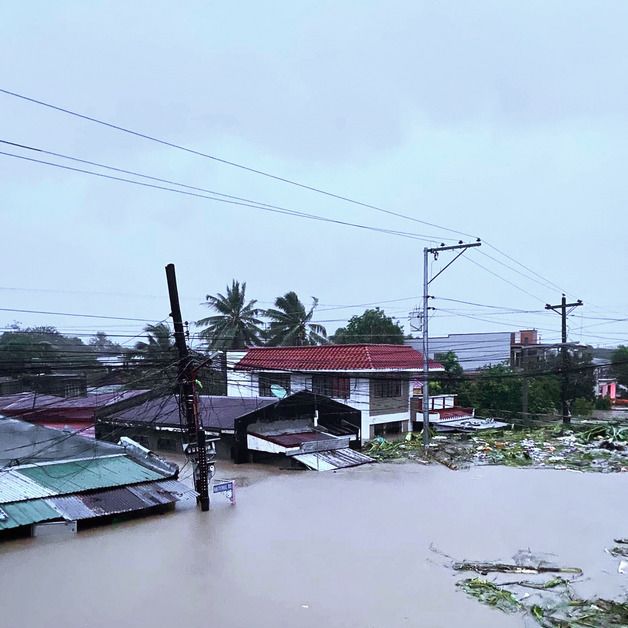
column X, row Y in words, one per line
column 599, row 447
column 551, row 601
column 554, row 605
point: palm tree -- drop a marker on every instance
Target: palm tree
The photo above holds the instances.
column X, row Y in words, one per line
column 236, row 325
column 159, row 348
column 290, row 324
column 153, row 362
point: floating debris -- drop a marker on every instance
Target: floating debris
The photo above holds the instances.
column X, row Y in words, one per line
column 550, row 602
column 487, row 567
column 557, row 607
column 489, row 593
column 601, row 448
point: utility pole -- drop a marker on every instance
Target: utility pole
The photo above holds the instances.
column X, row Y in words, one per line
column 564, row 380
column 197, row 448
column 426, row 343
column 524, row 383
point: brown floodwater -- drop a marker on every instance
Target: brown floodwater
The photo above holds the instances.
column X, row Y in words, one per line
column 304, row 549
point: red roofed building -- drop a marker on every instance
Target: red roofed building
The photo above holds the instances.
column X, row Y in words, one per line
column 73, row 413
column 375, row 379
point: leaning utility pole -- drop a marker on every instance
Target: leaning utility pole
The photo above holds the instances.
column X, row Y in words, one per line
column 564, row 380
column 197, row 448
column 426, row 362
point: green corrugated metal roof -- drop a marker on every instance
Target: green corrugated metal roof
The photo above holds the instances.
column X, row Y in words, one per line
column 26, row 513
column 85, row 475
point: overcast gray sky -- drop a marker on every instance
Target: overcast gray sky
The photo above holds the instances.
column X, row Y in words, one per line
column 505, row 120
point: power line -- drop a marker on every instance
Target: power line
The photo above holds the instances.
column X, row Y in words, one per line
column 115, row 318
column 273, row 209
column 229, row 163
column 268, row 175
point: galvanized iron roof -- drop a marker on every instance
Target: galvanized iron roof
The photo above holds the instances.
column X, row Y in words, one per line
column 90, row 474
column 15, row 487
column 22, row 442
column 70, row 507
column 26, row 513
column 333, row 459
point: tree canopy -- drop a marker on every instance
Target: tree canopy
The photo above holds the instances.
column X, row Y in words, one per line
column 236, row 324
column 451, row 379
column 619, row 361
column 40, row 349
column 373, row 326
column 291, row 324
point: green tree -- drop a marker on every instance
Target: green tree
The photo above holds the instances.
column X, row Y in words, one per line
column 543, row 394
column 373, row 326
column 236, row 326
column 582, row 407
column 451, row 379
column 41, row 350
column 153, row 362
column 159, row 348
column 619, row 361
column 291, row 324
column 495, row 391
column 101, row 343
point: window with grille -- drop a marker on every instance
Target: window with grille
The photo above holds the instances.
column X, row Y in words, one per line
column 331, row 386
column 387, row 388
column 267, row 380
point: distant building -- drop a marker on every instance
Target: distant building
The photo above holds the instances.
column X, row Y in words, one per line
column 57, row 384
column 75, row 413
column 605, row 384
column 474, row 350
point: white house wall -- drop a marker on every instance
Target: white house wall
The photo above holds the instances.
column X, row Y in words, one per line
column 246, row 384
column 242, row 384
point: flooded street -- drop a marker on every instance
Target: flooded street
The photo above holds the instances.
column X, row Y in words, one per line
column 345, row 549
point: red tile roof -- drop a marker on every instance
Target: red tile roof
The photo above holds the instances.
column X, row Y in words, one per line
column 335, row 358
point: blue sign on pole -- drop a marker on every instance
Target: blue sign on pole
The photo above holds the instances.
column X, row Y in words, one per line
column 225, row 486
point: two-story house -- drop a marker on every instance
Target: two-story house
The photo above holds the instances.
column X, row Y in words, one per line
column 375, row 379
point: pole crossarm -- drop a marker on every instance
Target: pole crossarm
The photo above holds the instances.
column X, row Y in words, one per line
column 564, row 380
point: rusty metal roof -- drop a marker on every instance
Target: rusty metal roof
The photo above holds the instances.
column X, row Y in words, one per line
column 119, row 500
column 156, row 493
column 293, row 439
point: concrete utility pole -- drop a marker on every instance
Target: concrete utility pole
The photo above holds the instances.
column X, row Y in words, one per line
column 564, row 380
column 197, row 449
column 426, row 348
